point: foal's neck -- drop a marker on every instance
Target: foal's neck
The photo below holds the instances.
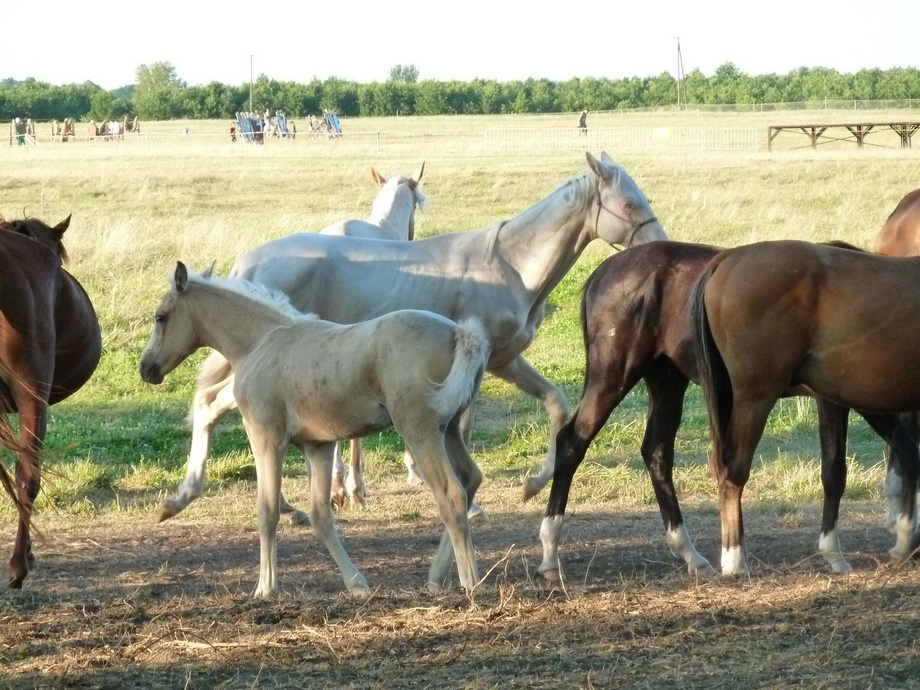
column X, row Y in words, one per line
column 234, row 324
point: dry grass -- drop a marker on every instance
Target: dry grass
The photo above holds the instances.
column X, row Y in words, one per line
column 120, row 603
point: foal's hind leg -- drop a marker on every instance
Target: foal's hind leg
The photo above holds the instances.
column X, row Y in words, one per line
column 469, row 475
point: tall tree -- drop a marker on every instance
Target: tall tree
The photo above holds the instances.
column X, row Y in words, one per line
column 159, row 93
column 406, row 74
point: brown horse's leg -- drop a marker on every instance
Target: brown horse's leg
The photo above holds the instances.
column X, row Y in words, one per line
column 32, row 422
column 744, row 430
column 903, row 444
column 666, row 389
column 832, row 428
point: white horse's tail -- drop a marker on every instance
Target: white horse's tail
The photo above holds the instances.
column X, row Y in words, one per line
column 471, row 352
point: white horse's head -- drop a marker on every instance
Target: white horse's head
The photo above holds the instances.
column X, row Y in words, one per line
column 624, row 215
column 397, row 200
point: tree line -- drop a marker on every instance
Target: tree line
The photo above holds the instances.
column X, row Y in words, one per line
column 159, row 94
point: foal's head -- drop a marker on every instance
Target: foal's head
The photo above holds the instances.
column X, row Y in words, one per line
column 174, row 337
column 52, row 238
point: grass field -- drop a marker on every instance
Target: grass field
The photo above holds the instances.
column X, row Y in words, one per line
column 133, row 604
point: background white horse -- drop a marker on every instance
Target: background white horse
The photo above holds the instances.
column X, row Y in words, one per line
column 501, row 274
column 309, row 382
column 392, row 217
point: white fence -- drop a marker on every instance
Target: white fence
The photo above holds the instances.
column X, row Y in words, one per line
column 627, row 138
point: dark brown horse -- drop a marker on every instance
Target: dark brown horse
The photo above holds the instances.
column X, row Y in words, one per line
column 636, row 326
column 774, row 315
column 900, row 235
column 50, row 345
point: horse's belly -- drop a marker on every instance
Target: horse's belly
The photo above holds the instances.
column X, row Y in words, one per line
column 879, row 385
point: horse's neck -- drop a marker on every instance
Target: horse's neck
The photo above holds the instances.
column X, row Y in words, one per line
column 544, row 242
column 393, row 215
column 233, row 324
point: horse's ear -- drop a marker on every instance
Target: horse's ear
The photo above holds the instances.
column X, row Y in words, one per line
column 418, row 177
column 180, row 277
column 208, row 273
column 605, row 158
column 377, row 177
column 598, row 167
column 61, row 227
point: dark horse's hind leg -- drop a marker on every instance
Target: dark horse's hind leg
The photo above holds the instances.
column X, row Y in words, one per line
column 903, row 444
column 832, row 428
column 666, row 389
column 602, row 394
column 892, row 491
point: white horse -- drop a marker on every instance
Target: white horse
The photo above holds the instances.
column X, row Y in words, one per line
column 502, row 275
column 392, row 217
column 309, row 382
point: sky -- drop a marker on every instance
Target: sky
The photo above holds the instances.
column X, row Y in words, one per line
column 505, row 40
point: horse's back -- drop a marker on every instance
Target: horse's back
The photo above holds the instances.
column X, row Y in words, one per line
column 813, row 312
column 900, row 235
column 635, row 304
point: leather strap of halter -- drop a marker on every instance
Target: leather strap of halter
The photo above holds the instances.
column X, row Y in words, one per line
column 636, row 226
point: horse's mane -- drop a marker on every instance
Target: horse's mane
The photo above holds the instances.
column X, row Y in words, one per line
column 255, row 291
column 38, row 231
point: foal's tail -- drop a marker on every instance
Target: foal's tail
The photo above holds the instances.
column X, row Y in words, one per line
column 714, row 379
column 471, row 352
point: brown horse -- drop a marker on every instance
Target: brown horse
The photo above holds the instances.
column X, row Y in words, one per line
column 50, row 344
column 774, row 315
column 636, row 326
column 900, row 235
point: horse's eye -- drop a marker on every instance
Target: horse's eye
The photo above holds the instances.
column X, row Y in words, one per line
column 159, row 318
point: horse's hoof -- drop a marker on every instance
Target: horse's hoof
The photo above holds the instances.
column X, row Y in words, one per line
column 704, row 570
column 476, row 512
column 299, row 518
column 531, row 489
column 413, row 479
column 840, row 567
column 357, row 502
column 435, row 587
column 167, row 510
column 551, row 575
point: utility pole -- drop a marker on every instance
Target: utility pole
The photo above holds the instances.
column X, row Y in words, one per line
column 250, row 82
column 680, row 73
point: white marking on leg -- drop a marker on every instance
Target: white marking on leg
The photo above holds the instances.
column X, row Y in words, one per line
column 892, row 491
column 681, row 546
column 734, row 561
column 550, row 529
column 829, row 547
column 904, row 529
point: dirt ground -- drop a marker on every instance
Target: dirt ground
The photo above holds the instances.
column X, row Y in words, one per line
column 126, row 604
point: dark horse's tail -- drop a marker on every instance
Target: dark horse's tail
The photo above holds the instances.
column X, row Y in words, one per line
column 9, row 440
column 714, row 379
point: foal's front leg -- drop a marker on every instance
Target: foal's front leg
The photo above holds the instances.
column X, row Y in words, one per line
column 268, row 452
column 320, row 457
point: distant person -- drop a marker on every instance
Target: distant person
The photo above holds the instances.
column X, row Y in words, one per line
column 583, row 123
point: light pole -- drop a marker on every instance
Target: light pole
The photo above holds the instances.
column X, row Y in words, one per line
column 680, row 73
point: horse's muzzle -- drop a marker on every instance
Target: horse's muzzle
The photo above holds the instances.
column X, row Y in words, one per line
column 151, row 373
